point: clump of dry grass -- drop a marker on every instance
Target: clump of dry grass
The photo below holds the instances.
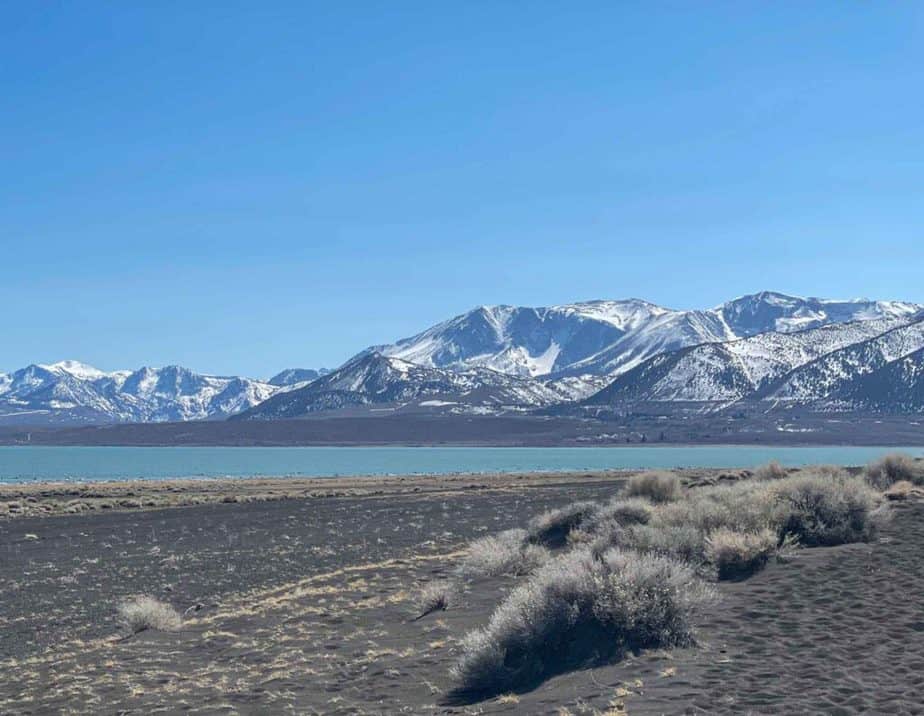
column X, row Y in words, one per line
column 737, row 554
column 892, row 468
column 657, row 486
column 143, row 613
column 506, row 553
column 578, row 607
column 901, row 490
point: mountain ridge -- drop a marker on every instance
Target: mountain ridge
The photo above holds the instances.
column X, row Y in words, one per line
column 71, row 392
column 513, row 359
column 611, row 337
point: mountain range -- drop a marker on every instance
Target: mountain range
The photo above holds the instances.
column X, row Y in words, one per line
column 70, row 392
column 766, row 349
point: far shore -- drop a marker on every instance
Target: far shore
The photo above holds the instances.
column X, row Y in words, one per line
column 769, row 430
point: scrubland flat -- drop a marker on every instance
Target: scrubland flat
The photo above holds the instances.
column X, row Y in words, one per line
column 357, row 596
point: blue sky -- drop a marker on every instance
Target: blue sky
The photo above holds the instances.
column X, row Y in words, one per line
column 242, row 187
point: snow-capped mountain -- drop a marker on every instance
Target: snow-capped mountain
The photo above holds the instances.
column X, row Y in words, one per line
column 373, row 379
column 612, row 337
column 72, row 392
column 823, row 368
column 767, row 348
column 525, row 342
column 297, row 376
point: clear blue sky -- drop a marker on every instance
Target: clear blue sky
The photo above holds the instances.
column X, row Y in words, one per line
column 242, row 187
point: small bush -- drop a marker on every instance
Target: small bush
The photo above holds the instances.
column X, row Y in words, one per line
column 745, row 506
column 553, row 527
column 656, row 486
column 822, row 511
column 436, row 596
column 142, row 613
column 901, row 490
column 771, row 471
column 833, row 472
column 605, row 527
column 632, row 511
column 578, row 608
column 738, row 554
column 892, row 468
column 506, row 553
column 682, row 542
column 606, row 535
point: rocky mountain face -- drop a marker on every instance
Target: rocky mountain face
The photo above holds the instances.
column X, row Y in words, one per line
column 612, row 337
column 394, row 384
column 865, row 365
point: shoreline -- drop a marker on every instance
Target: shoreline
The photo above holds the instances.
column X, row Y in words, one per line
column 54, row 498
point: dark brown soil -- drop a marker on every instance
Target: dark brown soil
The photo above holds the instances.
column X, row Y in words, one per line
column 306, row 605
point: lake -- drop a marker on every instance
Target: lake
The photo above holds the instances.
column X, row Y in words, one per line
column 30, row 464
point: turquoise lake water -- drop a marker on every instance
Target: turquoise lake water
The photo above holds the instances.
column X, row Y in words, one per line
column 28, row 464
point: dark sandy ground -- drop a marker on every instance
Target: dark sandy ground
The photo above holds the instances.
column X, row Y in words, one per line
column 305, row 605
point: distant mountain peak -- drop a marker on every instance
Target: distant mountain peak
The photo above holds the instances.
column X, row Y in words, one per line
column 294, row 376
column 75, row 368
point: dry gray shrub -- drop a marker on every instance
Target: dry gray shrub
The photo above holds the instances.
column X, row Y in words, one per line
column 143, row 613
column 737, row 554
column 771, row 471
column 579, row 608
column 892, row 468
column 819, row 510
column 657, row 486
column 506, row 553
column 553, row 527
column 437, row 596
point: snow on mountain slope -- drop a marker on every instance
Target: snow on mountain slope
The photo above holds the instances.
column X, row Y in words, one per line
column 523, row 341
column 833, row 373
column 72, row 392
column 373, row 379
column 723, row 372
column 667, row 332
column 612, row 337
column 770, row 311
column 896, row 387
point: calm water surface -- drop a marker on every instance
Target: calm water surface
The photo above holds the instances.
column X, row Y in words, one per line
column 27, row 464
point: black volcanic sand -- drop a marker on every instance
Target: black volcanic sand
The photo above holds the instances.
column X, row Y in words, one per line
column 305, row 605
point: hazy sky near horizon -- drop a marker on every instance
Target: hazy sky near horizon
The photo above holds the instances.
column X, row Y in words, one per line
column 240, row 188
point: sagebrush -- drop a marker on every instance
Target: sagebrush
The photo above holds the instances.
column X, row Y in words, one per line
column 143, row 613
column 579, row 608
column 656, row 486
column 506, row 553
